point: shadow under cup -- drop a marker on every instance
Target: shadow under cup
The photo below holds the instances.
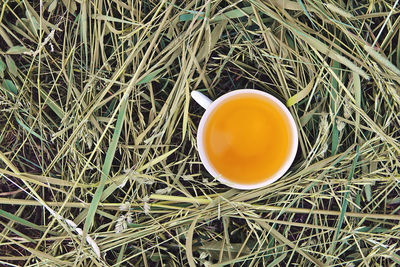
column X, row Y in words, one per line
column 247, row 139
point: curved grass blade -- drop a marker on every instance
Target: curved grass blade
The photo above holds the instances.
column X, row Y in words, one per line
column 300, row 95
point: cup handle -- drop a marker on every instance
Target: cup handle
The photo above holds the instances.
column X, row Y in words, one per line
column 201, row 99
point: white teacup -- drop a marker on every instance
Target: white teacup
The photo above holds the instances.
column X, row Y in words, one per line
column 212, row 106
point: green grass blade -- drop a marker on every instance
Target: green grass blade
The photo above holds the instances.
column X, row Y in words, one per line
column 189, row 17
column 343, row 208
column 17, row 50
column 12, row 67
column 306, row 12
column 148, row 78
column 21, row 221
column 10, row 87
column 346, row 194
column 29, row 130
column 18, row 233
column 233, row 14
column 334, row 107
column 3, row 67
column 52, row 104
column 106, row 166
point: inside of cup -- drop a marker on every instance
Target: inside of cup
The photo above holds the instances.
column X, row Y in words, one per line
column 244, row 183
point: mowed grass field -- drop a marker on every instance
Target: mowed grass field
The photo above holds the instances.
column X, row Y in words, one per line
column 98, row 156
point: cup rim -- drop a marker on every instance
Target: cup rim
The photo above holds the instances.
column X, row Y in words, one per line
column 275, row 176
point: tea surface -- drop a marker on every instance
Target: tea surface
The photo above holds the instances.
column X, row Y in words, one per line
column 247, row 138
